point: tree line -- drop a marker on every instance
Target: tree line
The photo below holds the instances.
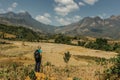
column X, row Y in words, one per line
column 20, row 32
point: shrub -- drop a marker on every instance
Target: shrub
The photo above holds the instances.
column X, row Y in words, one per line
column 67, row 57
column 113, row 73
column 107, row 47
column 116, row 46
column 75, row 78
column 47, row 64
column 62, row 39
column 32, row 75
column 100, row 44
column 81, row 43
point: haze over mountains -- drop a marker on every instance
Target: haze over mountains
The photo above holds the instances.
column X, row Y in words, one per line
column 88, row 26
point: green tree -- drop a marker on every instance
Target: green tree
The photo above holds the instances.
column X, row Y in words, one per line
column 62, row 39
column 101, row 41
column 81, row 43
column 30, row 36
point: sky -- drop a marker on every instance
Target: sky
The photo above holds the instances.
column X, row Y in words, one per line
column 62, row 12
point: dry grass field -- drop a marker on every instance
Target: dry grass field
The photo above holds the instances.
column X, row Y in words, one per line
column 82, row 68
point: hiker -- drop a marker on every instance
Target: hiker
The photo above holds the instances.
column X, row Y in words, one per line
column 38, row 58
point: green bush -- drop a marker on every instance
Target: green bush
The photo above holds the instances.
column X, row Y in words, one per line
column 113, row 73
column 62, row 39
column 116, row 46
column 107, row 47
column 75, row 78
column 117, row 50
column 100, row 44
column 32, row 75
column 81, row 43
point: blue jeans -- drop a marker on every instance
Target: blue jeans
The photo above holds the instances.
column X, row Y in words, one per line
column 37, row 66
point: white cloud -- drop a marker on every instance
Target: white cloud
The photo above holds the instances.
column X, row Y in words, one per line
column 44, row 18
column 2, row 11
column 90, row 2
column 62, row 21
column 12, row 7
column 81, row 4
column 103, row 15
column 76, row 18
column 67, row 20
column 65, row 6
column 21, row 11
column 47, row 15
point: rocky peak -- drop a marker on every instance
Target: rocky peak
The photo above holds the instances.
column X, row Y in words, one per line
column 24, row 14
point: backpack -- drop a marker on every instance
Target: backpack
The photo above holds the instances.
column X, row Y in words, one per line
column 36, row 55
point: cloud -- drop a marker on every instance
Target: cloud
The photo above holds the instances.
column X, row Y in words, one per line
column 65, row 6
column 103, row 15
column 90, row 2
column 81, row 4
column 44, row 18
column 62, row 21
column 12, row 7
column 21, row 11
column 47, row 15
column 2, row 11
column 76, row 18
column 67, row 20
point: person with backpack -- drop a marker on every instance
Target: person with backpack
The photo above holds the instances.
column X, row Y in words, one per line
column 38, row 58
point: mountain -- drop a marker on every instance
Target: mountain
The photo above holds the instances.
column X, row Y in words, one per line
column 94, row 27
column 88, row 26
column 25, row 19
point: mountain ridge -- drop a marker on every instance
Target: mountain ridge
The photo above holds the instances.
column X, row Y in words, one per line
column 25, row 19
column 94, row 27
column 88, row 26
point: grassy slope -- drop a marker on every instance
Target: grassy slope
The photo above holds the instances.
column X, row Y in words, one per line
column 53, row 53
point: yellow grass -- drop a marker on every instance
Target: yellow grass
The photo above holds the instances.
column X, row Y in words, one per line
column 54, row 53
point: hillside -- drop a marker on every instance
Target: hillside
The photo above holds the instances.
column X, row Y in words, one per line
column 94, row 27
column 18, row 33
column 25, row 19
